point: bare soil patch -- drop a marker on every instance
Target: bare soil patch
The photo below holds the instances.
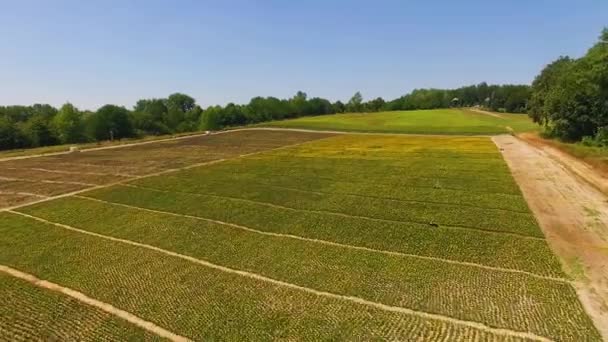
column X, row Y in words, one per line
column 573, row 215
column 484, row 112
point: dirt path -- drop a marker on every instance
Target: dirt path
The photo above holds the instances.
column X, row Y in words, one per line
column 81, row 297
column 307, row 130
column 592, row 175
column 573, row 215
column 352, row 299
column 484, row 112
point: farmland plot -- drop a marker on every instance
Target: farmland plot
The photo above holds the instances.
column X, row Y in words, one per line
column 350, row 237
column 27, row 180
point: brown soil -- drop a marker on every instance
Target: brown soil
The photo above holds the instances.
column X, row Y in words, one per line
column 572, row 213
column 591, row 169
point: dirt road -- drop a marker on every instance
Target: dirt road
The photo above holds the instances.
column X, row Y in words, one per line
column 573, row 215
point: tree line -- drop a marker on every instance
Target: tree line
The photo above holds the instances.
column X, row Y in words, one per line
column 43, row 125
column 570, row 96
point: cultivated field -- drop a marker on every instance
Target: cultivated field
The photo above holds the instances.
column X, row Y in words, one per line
column 308, row 236
column 34, row 179
column 437, row 121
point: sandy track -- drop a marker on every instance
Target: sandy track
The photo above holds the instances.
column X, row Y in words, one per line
column 485, row 112
column 573, row 215
column 81, row 297
column 352, row 299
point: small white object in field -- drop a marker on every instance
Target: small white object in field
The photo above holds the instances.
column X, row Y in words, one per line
column 207, row 132
column 74, row 149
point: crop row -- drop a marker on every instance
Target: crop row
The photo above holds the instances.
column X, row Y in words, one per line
column 400, row 143
column 431, row 214
column 460, row 244
column 461, row 291
column 30, row 313
column 378, row 169
column 205, row 303
column 208, row 179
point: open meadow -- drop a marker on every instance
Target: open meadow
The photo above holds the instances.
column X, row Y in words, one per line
column 435, row 121
column 264, row 235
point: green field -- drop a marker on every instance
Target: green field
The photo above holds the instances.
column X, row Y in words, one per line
column 311, row 237
column 436, row 121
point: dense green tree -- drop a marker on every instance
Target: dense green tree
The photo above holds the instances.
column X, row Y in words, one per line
column 375, row 105
column 570, row 96
column 9, row 134
column 299, row 105
column 181, row 101
column 67, row 124
column 211, row 119
column 37, row 132
column 355, row 104
column 338, row 107
column 110, row 122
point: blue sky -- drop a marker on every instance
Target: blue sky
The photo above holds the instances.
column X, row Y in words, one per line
column 96, row 52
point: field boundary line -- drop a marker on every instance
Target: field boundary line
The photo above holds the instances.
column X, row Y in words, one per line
column 2, row 192
column 83, row 298
column 332, row 212
column 392, row 199
column 118, row 182
column 270, row 174
column 331, row 243
column 384, row 307
column 431, row 135
column 68, row 172
column 46, row 181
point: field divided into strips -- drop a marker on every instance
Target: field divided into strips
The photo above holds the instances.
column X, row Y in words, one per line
column 28, row 180
column 203, row 302
column 367, row 237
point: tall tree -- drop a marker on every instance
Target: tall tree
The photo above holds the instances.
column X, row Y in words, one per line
column 181, row 101
column 67, row 124
column 355, row 103
column 110, row 122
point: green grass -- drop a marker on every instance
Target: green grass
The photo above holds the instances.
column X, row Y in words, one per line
column 437, row 121
column 200, row 302
column 30, row 313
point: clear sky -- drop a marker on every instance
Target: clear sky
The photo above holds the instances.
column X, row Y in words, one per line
column 96, row 52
